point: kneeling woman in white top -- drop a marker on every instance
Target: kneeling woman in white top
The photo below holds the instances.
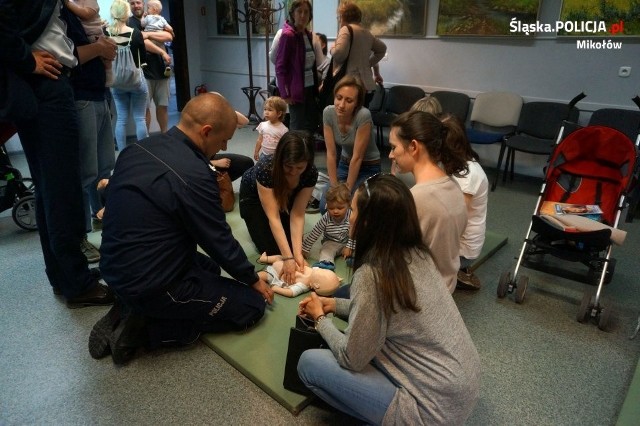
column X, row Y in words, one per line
column 406, row 356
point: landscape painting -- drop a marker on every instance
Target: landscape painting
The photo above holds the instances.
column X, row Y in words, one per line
column 621, row 17
column 400, row 18
column 484, row 17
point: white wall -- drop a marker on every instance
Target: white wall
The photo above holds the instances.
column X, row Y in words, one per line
column 538, row 68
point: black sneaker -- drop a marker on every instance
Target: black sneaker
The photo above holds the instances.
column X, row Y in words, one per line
column 313, row 206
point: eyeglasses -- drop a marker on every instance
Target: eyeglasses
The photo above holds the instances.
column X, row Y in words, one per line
column 366, row 183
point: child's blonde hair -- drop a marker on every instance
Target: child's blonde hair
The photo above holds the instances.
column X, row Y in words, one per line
column 278, row 104
column 339, row 194
column 155, row 4
column 428, row 104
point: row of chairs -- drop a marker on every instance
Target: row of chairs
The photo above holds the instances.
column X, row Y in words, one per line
column 501, row 117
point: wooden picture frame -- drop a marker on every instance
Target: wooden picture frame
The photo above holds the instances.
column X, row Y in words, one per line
column 227, row 18
column 393, row 18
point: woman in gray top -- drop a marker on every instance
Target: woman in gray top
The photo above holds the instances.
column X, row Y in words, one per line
column 347, row 128
column 406, row 356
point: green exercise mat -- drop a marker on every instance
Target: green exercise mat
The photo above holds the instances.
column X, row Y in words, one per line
column 260, row 352
column 492, row 243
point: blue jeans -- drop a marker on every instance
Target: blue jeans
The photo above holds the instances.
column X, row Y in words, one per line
column 365, row 395
column 136, row 103
column 97, row 152
column 51, row 146
column 343, row 172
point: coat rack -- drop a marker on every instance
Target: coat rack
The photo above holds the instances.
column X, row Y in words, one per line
column 250, row 16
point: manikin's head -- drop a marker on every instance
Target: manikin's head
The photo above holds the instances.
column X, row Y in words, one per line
column 323, row 281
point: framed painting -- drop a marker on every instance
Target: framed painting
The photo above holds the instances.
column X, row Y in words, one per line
column 491, row 18
column 227, row 17
column 394, row 18
column 599, row 18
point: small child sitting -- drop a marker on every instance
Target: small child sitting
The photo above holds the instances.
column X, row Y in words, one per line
column 322, row 281
column 271, row 130
column 88, row 11
column 153, row 21
column 333, row 226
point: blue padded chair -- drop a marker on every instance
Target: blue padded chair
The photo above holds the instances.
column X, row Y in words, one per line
column 494, row 115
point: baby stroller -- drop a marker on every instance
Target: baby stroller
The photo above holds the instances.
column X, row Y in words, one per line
column 16, row 192
column 593, row 165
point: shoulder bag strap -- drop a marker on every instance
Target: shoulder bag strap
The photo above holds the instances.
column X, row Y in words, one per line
column 346, row 61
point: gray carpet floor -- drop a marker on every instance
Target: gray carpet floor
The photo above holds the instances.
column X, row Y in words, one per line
column 540, row 366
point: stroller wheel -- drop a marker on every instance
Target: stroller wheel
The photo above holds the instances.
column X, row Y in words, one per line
column 521, row 288
column 24, row 213
column 584, row 313
column 28, row 184
column 503, row 284
column 604, row 319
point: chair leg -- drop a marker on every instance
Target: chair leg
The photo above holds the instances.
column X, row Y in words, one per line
column 503, row 146
column 513, row 157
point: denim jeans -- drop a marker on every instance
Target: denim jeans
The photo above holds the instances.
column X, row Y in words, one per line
column 136, row 103
column 365, row 394
column 97, row 152
column 51, row 146
column 343, row 172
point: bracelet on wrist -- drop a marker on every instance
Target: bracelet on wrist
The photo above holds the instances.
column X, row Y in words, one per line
column 319, row 319
column 287, row 258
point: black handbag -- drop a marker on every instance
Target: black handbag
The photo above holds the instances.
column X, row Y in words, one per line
column 330, row 81
column 301, row 337
column 17, row 100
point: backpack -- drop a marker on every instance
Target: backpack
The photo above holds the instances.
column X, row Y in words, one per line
column 126, row 76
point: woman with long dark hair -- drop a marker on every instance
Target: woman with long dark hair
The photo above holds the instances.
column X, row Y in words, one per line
column 406, row 356
column 273, row 197
column 422, row 144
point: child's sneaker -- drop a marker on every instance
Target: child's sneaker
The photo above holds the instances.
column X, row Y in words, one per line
column 167, row 72
column 467, row 280
column 325, row 264
column 313, row 206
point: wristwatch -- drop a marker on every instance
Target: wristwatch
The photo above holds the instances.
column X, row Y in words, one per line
column 317, row 322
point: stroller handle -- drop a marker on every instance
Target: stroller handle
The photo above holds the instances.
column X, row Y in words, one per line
column 576, row 99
